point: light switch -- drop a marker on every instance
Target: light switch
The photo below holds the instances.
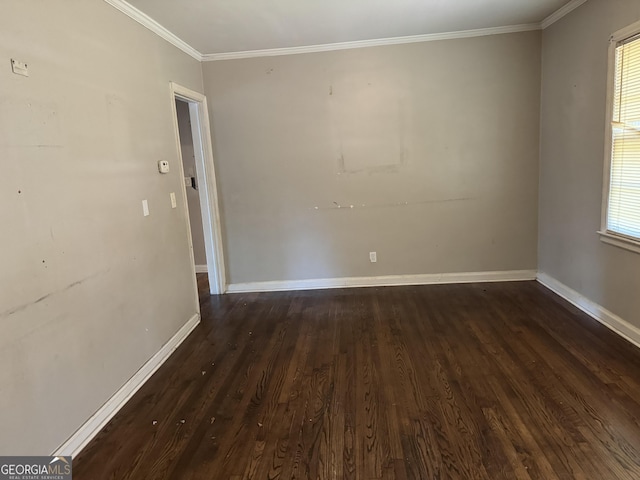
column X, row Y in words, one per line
column 145, row 208
column 172, row 196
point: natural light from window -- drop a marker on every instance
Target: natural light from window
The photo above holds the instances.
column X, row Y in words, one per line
column 623, row 212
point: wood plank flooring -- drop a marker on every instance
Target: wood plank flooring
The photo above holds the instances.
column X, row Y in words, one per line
column 479, row 381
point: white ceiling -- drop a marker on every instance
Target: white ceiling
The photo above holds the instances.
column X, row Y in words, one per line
column 222, row 26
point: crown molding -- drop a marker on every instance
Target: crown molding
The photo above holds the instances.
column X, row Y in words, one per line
column 431, row 37
column 162, row 32
column 560, row 13
column 148, row 22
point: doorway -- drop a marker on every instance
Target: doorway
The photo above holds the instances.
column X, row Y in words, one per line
column 199, row 192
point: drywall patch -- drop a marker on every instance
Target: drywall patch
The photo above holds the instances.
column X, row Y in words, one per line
column 369, row 124
column 353, row 206
column 358, row 166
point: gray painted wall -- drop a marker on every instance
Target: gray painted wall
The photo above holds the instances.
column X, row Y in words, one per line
column 89, row 288
column 572, row 155
column 435, row 145
column 193, row 196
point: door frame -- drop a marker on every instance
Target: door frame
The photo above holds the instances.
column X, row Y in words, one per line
column 207, row 188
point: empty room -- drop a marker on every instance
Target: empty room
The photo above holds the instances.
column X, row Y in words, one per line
column 320, row 240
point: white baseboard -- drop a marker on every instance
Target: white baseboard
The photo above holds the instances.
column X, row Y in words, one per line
column 201, row 269
column 598, row 312
column 383, row 281
column 92, row 427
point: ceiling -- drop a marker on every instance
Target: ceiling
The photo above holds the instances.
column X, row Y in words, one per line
column 225, row 26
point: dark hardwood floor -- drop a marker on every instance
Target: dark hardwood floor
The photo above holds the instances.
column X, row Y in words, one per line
column 480, row 381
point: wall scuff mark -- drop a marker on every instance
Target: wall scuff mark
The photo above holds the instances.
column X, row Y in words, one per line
column 338, row 206
column 24, row 306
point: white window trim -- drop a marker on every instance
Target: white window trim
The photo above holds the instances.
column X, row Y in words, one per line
column 607, row 236
column 620, row 241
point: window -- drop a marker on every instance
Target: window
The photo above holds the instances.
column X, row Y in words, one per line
column 621, row 219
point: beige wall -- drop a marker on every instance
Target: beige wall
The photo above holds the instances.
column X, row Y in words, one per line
column 572, row 155
column 434, row 144
column 426, row 153
column 193, row 196
column 89, row 289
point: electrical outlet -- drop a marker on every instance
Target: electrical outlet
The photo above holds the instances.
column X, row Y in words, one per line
column 373, row 256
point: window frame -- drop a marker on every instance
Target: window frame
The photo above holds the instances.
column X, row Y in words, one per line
column 606, row 235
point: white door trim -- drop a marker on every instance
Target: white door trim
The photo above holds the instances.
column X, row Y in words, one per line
column 208, row 190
